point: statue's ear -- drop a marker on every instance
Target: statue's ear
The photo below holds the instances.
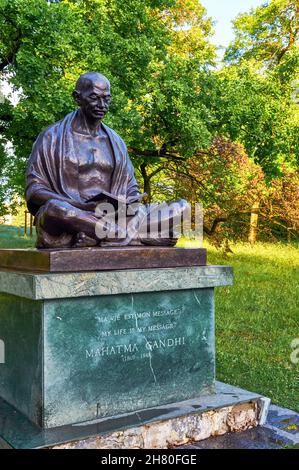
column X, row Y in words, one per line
column 77, row 97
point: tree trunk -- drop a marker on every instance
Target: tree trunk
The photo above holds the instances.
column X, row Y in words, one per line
column 254, row 222
column 146, row 182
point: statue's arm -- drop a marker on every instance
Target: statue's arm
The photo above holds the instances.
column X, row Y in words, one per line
column 41, row 196
column 39, row 181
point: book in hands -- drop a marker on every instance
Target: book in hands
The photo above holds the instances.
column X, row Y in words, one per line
column 104, row 196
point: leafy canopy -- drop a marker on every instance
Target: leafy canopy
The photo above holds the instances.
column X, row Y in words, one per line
column 267, row 33
column 144, row 49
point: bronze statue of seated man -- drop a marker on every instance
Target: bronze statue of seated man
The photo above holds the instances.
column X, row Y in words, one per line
column 78, row 167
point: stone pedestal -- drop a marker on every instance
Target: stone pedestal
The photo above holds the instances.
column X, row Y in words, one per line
column 85, row 346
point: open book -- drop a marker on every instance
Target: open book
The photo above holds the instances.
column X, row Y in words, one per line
column 104, row 196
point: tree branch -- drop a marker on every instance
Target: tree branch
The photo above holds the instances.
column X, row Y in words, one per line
column 294, row 30
column 191, row 177
column 160, row 168
column 155, row 153
column 214, row 225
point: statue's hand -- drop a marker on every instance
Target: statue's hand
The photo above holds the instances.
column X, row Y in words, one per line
column 90, row 206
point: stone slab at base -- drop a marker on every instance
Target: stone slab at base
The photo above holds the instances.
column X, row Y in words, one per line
column 101, row 259
column 230, row 409
column 280, row 431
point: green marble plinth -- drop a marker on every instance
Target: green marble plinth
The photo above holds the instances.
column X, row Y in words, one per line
column 84, row 346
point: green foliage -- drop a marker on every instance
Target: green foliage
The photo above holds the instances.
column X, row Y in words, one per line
column 258, row 104
column 257, row 110
column 169, row 103
column 45, row 47
column 230, row 185
column 267, row 33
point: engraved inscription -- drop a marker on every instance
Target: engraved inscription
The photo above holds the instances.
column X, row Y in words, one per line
column 105, row 350
column 163, row 321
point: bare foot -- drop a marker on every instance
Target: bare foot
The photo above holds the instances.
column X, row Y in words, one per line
column 83, row 241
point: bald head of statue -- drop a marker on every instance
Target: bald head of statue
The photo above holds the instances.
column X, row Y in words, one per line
column 92, row 94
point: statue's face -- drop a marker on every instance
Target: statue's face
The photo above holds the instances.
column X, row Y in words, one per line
column 94, row 100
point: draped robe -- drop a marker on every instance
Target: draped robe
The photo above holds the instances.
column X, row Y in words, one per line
column 53, row 166
column 49, row 165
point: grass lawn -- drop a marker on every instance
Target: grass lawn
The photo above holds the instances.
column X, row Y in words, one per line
column 13, row 237
column 256, row 319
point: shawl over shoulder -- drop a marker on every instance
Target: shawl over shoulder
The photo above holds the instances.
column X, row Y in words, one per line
column 48, row 166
